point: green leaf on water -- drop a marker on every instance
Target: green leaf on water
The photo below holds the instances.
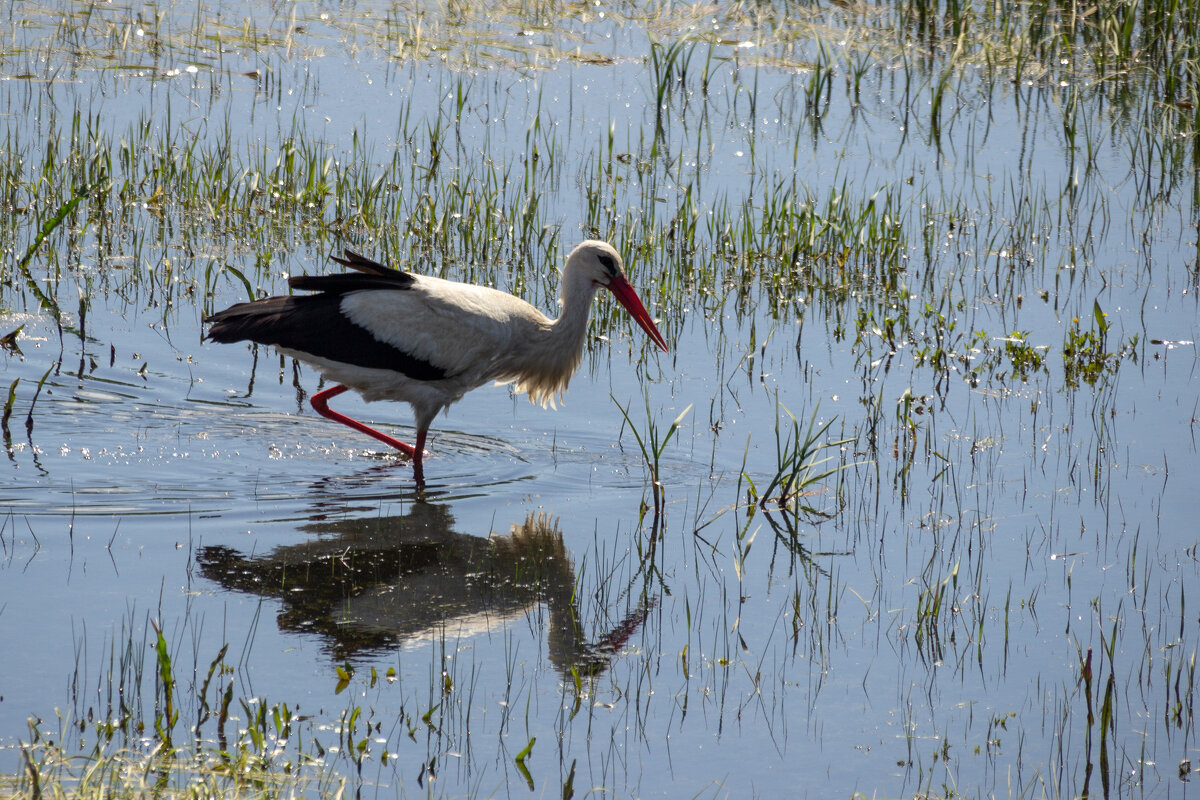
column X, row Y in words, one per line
column 343, row 679
column 8, row 405
column 9, row 341
column 164, row 722
column 37, row 393
column 520, row 759
column 1101, row 318
column 569, row 783
column 237, row 274
column 521, row 756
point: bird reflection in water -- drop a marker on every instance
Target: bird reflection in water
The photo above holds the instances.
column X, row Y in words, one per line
column 366, row 585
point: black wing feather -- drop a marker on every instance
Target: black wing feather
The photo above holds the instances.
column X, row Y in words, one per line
column 357, row 261
column 373, row 276
column 349, row 282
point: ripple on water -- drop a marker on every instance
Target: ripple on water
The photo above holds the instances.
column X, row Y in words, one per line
column 75, row 464
column 123, row 449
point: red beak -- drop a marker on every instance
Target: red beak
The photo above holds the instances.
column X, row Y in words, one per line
column 628, row 298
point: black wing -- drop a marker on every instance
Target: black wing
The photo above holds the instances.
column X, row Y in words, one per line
column 314, row 324
column 361, row 263
column 373, row 276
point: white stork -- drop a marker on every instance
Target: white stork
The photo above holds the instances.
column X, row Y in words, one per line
column 393, row 335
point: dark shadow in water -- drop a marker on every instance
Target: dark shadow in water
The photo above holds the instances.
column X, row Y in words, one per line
column 368, row 584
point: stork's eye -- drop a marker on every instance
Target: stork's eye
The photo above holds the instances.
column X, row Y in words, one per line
column 608, row 262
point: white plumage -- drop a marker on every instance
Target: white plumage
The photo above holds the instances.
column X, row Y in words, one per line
column 393, row 335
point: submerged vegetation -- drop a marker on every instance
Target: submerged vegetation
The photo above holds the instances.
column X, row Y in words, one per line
column 193, row 737
column 959, row 241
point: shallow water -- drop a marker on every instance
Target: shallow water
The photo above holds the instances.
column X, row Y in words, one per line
column 921, row 628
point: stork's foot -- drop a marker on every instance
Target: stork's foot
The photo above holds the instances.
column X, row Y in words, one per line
column 320, row 404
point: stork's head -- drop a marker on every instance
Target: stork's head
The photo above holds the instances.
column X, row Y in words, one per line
column 600, row 263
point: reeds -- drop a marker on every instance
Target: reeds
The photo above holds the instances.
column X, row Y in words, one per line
column 915, row 212
column 130, row 754
column 652, row 444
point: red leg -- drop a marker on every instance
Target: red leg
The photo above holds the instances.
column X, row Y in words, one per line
column 320, row 403
column 418, row 452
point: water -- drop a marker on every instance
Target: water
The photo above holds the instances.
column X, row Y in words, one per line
column 920, row 626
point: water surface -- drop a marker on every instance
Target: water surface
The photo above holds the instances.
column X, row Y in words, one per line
column 918, row 623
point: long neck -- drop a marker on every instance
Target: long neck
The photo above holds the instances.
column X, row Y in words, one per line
column 570, row 329
column 547, row 372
